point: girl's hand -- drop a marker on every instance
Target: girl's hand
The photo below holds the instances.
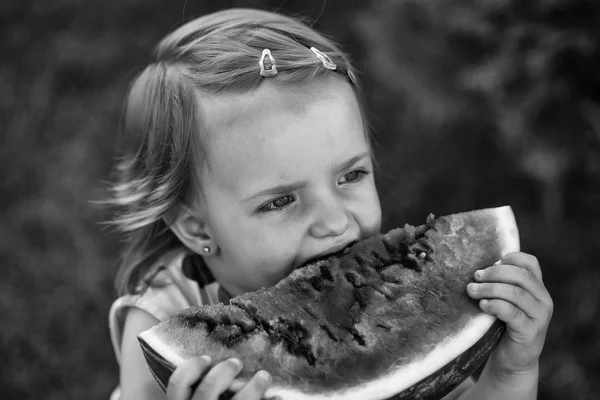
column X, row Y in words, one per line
column 216, row 381
column 513, row 291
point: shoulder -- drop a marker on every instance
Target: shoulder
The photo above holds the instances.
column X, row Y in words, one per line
column 136, row 379
column 138, row 320
column 169, row 291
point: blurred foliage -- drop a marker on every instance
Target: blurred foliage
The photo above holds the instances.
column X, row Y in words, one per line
column 473, row 103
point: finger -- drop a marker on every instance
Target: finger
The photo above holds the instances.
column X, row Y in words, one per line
column 505, row 311
column 514, row 275
column 524, row 260
column 185, row 376
column 515, row 295
column 218, row 379
column 255, row 388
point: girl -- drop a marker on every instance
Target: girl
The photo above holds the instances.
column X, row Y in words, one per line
column 249, row 154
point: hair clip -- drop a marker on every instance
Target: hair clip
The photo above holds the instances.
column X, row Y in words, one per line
column 351, row 76
column 327, row 63
column 267, row 64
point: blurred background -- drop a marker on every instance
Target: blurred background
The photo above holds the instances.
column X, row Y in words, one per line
column 473, row 103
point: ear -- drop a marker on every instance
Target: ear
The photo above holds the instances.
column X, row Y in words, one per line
column 193, row 232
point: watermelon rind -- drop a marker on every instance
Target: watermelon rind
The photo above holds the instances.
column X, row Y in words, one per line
column 430, row 377
column 465, row 353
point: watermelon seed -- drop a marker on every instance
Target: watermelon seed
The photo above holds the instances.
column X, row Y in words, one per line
column 354, row 278
column 325, row 273
column 360, row 260
column 384, row 325
column 424, row 245
column 360, row 298
column 390, row 278
column 378, row 259
column 328, row 332
column 412, row 262
column 358, row 338
column 310, row 312
column 317, row 283
column 390, row 248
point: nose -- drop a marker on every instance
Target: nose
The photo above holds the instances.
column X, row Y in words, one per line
column 330, row 218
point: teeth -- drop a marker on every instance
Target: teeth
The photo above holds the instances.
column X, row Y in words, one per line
column 348, row 248
column 345, row 250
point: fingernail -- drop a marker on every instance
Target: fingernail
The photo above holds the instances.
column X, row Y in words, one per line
column 265, row 376
column 473, row 287
column 236, row 362
column 498, row 262
column 479, row 274
column 484, row 302
column 206, row 359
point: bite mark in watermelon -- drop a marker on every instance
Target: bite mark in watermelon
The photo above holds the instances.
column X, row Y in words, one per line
column 387, row 319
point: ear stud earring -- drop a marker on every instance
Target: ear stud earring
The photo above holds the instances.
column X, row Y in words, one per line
column 206, row 249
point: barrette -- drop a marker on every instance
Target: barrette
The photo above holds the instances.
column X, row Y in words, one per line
column 267, row 64
column 327, row 63
column 351, row 76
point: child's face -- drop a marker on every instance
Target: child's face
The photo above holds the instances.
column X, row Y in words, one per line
column 289, row 178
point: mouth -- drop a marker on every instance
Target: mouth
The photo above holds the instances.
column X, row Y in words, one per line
column 335, row 251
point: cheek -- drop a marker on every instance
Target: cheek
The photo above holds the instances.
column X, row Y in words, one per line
column 268, row 258
column 263, row 247
column 274, row 247
column 372, row 222
column 368, row 212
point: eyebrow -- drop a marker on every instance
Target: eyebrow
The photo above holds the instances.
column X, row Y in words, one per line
column 353, row 160
column 290, row 187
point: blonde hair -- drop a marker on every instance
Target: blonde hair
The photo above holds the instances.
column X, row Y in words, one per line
column 216, row 53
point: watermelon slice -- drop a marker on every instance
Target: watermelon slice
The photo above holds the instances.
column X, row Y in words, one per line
column 388, row 318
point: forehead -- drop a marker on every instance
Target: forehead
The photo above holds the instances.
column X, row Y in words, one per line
column 268, row 135
column 272, row 97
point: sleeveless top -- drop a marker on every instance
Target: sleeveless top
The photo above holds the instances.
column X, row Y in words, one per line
column 178, row 280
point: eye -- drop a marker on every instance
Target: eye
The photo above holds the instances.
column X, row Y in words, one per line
column 277, row 204
column 354, row 176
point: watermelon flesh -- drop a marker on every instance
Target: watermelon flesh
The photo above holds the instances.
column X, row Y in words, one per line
column 388, row 318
